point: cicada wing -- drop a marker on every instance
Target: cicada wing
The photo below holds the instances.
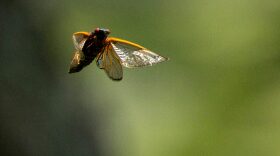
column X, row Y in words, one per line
column 99, row 61
column 79, row 39
column 133, row 55
column 76, row 64
column 110, row 62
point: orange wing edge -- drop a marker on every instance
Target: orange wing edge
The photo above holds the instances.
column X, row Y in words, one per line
column 114, row 39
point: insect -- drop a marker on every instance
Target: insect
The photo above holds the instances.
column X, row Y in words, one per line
column 111, row 53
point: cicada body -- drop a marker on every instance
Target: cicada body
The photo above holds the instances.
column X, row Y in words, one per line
column 111, row 53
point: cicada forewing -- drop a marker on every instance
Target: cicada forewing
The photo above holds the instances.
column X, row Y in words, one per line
column 133, row 55
column 79, row 40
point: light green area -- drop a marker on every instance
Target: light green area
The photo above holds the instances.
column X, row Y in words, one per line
column 219, row 93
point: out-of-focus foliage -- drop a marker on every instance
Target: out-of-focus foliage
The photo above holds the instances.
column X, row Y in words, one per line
column 218, row 95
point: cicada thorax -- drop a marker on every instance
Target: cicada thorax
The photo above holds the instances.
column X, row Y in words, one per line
column 92, row 47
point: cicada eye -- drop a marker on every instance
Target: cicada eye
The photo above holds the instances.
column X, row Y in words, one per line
column 108, row 31
column 97, row 30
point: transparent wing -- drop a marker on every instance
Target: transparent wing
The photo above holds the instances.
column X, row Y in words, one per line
column 109, row 61
column 76, row 64
column 133, row 55
column 79, row 39
column 99, row 61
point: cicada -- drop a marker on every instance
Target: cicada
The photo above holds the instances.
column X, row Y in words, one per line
column 111, row 54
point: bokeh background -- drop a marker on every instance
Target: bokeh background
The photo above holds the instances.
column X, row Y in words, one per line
column 218, row 95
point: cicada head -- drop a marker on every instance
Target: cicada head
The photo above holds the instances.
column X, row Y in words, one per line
column 101, row 33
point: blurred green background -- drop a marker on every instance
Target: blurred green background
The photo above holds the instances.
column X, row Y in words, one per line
column 219, row 95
